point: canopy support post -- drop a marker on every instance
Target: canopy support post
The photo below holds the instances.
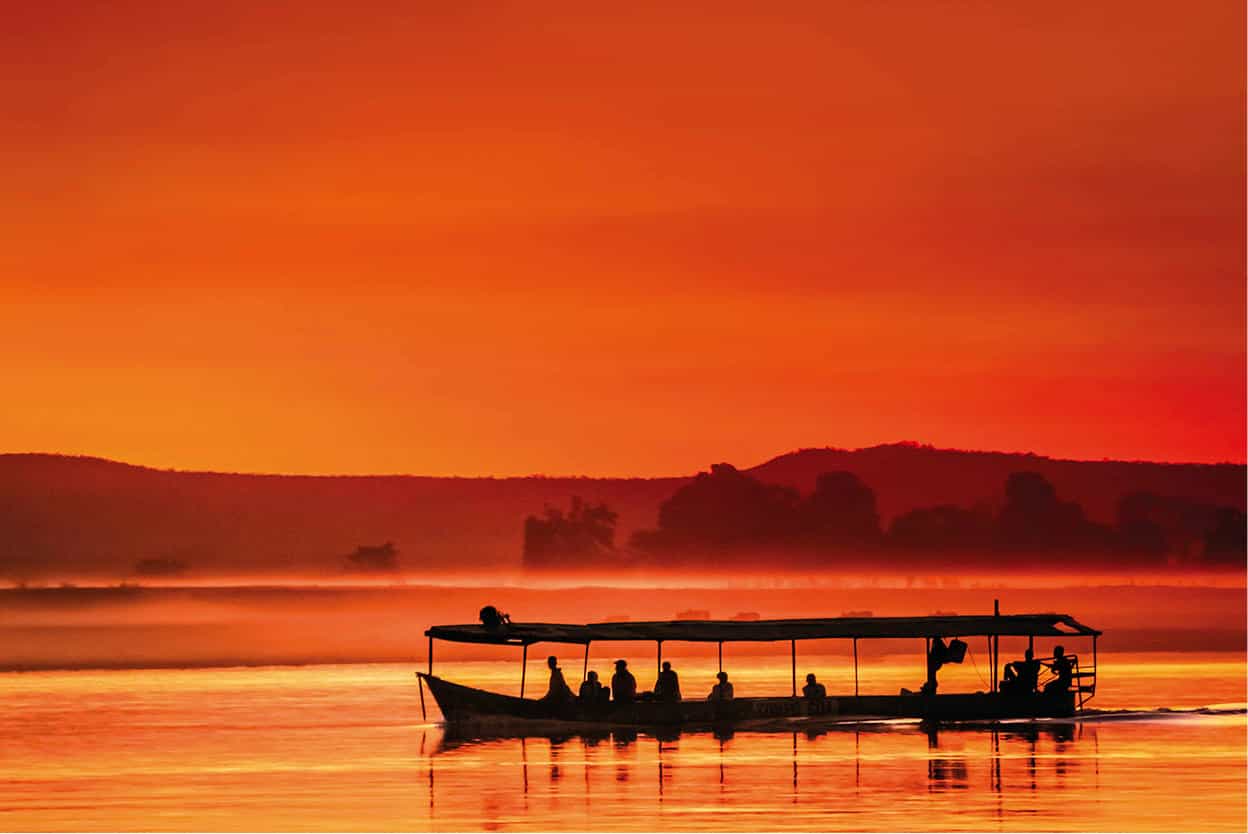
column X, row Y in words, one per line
column 1093, row 663
column 996, row 661
column 996, row 646
column 721, row 655
column 793, row 658
column 658, row 667
column 855, row 667
column 927, row 653
column 430, row 660
column 1031, row 648
column 585, row 667
column 524, row 666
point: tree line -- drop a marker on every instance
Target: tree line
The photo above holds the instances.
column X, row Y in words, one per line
column 725, row 512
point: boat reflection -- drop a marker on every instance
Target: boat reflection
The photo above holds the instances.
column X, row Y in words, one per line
column 453, row 738
column 1026, row 756
column 948, row 769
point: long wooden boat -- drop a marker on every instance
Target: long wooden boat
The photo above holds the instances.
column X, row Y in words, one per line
column 468, row 706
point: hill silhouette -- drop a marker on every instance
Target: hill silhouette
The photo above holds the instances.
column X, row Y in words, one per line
column 76, row 516
column 87, row 516
column 909, row 475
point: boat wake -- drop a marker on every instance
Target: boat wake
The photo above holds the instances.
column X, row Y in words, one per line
column 1161, row 713
column 885, row 724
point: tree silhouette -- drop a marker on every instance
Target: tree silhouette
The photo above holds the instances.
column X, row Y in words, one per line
column 1033, row 518
column 382, row 558
column 1191, row 530
column 724, row 508
column 1227, row 541
column 841, row 511
column 728, row 513
column 944, row 527
column 581, row 536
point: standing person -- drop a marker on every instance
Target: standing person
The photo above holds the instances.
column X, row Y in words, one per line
column 936, row 658
column 623, row 684
column 559, row 689
column 667, row 687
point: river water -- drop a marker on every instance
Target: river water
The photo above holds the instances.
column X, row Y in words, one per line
column 322, row 748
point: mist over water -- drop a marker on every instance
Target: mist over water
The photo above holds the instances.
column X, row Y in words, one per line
column 134, row 627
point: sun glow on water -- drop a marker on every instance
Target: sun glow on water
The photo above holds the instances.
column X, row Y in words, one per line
column 345, row 747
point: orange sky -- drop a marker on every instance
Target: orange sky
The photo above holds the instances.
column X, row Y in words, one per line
column 475, row 238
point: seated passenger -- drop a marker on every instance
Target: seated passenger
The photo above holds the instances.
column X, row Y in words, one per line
column 559, row 689
column 591, row 689
column 623, row 684
column 721, row 691
column 667, row 687
column 1021, row 676
column 813, row 690
column 1063, row 668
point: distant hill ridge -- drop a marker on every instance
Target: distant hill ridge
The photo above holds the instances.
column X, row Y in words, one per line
column 66, row 515
column 908, row 475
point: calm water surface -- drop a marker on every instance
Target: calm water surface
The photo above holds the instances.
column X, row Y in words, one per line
column 345, row 747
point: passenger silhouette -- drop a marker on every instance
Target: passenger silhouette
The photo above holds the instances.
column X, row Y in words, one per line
column 591, row 689
column 1021, row 676
column 1063, row 668
column 814, row 690
column 623, row 684
column 721, row 691
column 667, row 687
column 559, row 689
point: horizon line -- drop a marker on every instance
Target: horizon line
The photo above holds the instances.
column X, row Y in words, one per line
column 908, row 444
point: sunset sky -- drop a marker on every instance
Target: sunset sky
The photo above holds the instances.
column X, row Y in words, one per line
column 508, row 238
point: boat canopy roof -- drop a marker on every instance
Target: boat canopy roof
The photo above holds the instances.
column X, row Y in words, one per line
column 726, row 631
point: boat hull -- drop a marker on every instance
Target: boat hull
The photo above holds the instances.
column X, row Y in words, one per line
column 465, row 705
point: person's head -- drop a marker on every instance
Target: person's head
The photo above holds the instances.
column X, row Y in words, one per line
column 593, row 676
column 722, row 676
column 667, row 666
column 1058, row 651
column 1029, row 654
column 810, row 678
column 552, row 661
column 621, row 665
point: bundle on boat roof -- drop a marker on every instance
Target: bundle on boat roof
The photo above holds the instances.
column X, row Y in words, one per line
column 727, row 631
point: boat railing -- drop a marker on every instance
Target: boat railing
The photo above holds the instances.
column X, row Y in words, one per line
column 1084, row 680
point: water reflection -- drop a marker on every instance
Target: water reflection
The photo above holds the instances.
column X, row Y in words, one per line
column 943, row 773
column 345, row 748
column 1030, row 757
